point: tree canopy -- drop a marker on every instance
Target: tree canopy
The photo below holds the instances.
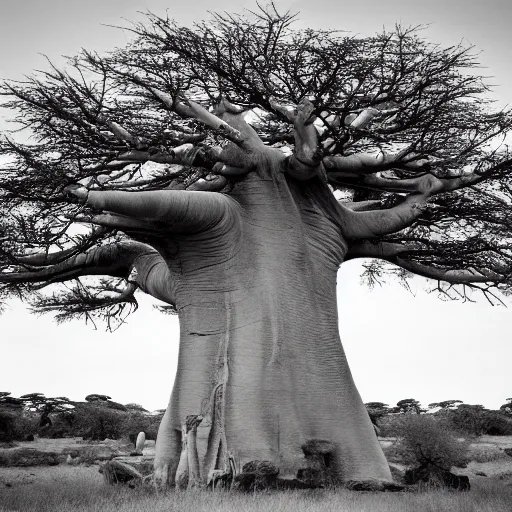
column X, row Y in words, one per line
column 381, row 119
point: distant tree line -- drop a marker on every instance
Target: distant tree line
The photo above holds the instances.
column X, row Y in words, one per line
column 96, row 418
column 467, row 418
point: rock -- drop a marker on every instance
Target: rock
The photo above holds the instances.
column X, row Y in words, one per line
column 430, row 476
column 256, row 475
column 318, row 470
column 480, row 473
column 508, row 451
column 115, row 472
column 317, row 447
column 261, row 468
column 21, row 457
column 91, row 453
column 139, row 445
column 397, row 474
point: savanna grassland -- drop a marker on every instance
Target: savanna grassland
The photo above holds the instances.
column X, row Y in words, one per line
column 81, row 488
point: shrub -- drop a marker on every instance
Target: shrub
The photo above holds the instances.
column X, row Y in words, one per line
column 424, row 440
column 136, row 422
column 97, row 422
column 477, row 420
column 498, row 424
column 16, row 425
column 391, row 425
column 7, row 426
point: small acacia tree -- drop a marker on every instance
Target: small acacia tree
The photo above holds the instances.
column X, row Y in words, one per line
column 408, row 406
column 46, row 406
column 229, row 169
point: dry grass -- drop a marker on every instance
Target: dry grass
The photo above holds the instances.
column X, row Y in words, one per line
column 81, row 489
column 486, row 452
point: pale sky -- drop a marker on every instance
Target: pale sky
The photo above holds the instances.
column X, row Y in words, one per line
column 399, row 345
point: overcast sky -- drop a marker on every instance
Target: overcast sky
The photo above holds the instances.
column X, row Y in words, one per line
column 399, row 345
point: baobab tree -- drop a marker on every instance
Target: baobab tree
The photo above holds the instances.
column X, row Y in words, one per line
column 228, row 170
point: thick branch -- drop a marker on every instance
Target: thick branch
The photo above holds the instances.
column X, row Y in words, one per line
column 133, row 261
column 369, row 163
column 365, row 166
column 177, row 210
column 369, row 224
column 305, row 160
column 189, row 108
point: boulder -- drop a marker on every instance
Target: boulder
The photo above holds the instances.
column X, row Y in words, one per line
column 117, row 472
column 91, row 453
column 318, row 468
column 22, row 457
column 256, row 475
column 126, row 469
column 397, row 474
column 139, row 444
column 430, row 476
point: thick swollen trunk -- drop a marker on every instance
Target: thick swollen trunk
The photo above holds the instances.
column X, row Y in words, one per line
column 260, row 355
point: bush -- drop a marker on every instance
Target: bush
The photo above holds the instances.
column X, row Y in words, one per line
column 136, row 422
column 498, row 424
column 99, row 420
column 16, row 425
column 477, row 421
column 391, row 425
column 96, row 422
column 93, row 421
column 425, row 440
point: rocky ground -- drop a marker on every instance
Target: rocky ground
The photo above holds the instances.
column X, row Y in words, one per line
column 53, row 460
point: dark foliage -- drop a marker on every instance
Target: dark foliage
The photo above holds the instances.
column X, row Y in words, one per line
column 426, row 440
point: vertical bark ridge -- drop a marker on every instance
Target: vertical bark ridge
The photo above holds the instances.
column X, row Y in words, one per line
column 217, row 447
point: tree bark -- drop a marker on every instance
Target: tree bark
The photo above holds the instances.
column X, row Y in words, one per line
column 260, row 354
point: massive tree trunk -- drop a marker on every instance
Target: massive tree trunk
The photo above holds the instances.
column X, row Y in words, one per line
column 260, row 355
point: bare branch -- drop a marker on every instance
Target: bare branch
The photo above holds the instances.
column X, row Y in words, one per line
column 400, row 255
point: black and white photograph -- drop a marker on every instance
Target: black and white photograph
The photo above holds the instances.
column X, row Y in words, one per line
column 255, row 255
